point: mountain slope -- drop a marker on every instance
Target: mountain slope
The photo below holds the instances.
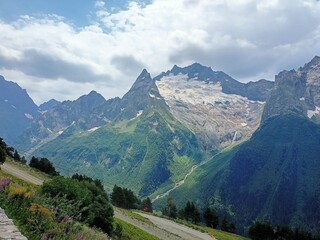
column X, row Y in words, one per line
column 144, row 149
column 55, row 120
column 274, row 176
column 296, row 91
column 201, row 99
column 16, row 110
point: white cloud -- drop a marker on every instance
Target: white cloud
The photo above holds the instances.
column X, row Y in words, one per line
column 247, row 39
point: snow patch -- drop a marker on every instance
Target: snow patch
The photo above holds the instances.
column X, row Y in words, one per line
column 302, row 99
column 29, row 116
column 49, row 130
column 192, row 91
column 151, row 95
column 60, row 132
column 14, row 106
column 311, row 113
column 244, row 124
column 93, row 129
column 6, row 100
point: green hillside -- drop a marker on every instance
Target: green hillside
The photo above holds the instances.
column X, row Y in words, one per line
column 274, row 176
column 147, row 152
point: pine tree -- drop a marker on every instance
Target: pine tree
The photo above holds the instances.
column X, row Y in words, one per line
column 171, row 209
column 211, row 218
column 16, row 156
column 2, row 155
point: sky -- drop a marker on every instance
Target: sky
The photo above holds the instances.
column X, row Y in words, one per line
column 64, row 49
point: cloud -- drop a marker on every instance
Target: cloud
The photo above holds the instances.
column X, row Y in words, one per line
column 248, row 39
column 127, row 64
column 37, row 64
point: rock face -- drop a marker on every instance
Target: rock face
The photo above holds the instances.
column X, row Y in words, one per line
column 48, row 105
column 296, row 91
column 7, row 228
column 55, row 120
column 201, row 99
column 17, row 110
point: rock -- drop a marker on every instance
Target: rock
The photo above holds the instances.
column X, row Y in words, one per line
column 7, row 228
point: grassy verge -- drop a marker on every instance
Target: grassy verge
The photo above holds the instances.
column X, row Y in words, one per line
column 137, row 216
column 35, row 219
column 218, row 234
column 130, row 232
column 34, row 172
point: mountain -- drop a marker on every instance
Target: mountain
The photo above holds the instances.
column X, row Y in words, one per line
column 17, row 110
column 152, row 136
column 144, row 147
column 274, row 176
column 217, row 108
column 54, row 121
column 296, row 91
column 48, row 105
column 257, row 91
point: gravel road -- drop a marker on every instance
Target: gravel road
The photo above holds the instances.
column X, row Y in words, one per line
column 178, row 229
column 146, row 226
column 162, row 228
column 6, row 167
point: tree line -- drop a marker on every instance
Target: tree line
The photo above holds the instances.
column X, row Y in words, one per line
column 192, row 214
column 7, row 151
column 125, row 198
column 260, row 230
column 42, row 164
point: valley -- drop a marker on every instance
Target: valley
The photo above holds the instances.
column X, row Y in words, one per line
column 194, row 134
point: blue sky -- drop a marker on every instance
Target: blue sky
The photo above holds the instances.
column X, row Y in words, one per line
column 101, row 45
column 76, row 11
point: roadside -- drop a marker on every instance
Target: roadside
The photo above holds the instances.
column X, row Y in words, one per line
column 156, row 226
column 182, row 231
column 146, row 225
column 15, row 171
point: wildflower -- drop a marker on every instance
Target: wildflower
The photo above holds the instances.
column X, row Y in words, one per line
column 4, row 182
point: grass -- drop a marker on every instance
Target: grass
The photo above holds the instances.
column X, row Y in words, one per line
column 130, row 232
column 218, row 234
column 84, row 232
column 137, row 216
column 34, row 172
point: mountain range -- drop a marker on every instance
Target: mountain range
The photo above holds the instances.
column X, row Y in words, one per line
column 250, row 150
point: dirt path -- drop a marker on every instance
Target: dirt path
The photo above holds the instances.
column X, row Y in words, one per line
column 178, row 229
column 146, row 226
column 11, row 169
column 162, row 228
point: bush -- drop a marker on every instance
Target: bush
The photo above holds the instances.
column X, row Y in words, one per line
column 44, row 165
column 89, row 201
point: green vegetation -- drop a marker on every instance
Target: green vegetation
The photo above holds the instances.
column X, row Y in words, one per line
column 191, row 213
column 130, row 232
column 144, row 154
column 7, row 151
column 35, row 214
column 43, row 165
column 211, row 218
column 265, row 231
column 219, row 234
column 170, row 210
column 87, row 202
column 273, row 176
column 126, row 199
